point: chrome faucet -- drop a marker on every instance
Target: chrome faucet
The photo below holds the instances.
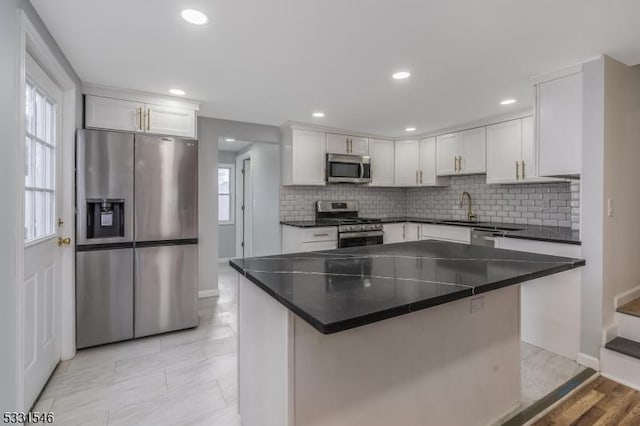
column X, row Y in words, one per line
column 470, row 214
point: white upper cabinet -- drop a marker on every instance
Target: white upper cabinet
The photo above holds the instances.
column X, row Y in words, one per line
column 163, row 117
column 344, row 144
column 504, row 152
column 116, row 114
column 165, row 120
column 461, row 153
column 511, row 153
column 382, row 154
column 559, row 126
column 473, row 151
column 447, row 154
column 303, row 157
column 407, row 164
column 416, row 163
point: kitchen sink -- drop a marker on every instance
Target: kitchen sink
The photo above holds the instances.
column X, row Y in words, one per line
column 480, row 225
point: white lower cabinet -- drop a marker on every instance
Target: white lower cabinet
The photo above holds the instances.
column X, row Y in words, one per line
column 454, row 234
column 296, row 239
column 394, row 232
column 550, row 306
column 413, row 232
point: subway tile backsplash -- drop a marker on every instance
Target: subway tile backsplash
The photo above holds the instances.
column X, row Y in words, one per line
column 550, row 204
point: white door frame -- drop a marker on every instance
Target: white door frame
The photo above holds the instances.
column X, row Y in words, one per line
column 30, row 40
column 239, row 198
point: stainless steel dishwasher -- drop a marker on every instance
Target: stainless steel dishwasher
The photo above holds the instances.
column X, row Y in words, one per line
column 483, row 237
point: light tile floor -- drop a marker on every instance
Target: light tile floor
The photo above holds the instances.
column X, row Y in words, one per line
column 182, row 378
column 190, row 377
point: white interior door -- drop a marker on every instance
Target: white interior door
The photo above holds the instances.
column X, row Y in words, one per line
column 247, row 222
column 41, row 289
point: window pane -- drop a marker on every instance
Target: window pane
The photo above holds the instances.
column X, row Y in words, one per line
column 50, row 123
column 40, row 165
column 49, row 216
column 28, row 216
column 30, row 107
column 51, row 165
column 40, row 214
column 224, row 205
column 28, row 161
column 223, row 180
column 40, row 116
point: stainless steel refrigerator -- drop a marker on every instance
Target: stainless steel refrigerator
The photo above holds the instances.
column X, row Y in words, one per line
column 136, row 233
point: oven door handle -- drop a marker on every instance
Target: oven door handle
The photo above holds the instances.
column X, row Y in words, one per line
column 361, row 234
column 361, row 170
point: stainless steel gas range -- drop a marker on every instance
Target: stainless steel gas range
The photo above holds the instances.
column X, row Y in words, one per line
column 353, row 231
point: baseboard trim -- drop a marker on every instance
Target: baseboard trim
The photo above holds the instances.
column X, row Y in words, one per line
column 208, row 293
column 626, row 297
column 621, row 381
column 588, row 361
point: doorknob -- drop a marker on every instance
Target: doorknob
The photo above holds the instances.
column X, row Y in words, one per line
column 64, row 241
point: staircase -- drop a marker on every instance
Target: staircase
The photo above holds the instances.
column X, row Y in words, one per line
column 620, row 358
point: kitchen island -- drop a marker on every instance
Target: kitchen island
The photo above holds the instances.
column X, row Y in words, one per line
column 413, row 333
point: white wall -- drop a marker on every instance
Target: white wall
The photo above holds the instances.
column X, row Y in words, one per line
column 592, row 207
column 209, row 132
column 9, row 113
column 265, row 181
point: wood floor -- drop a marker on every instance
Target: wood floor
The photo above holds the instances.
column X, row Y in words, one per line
column 631, row 308
column 602, row 402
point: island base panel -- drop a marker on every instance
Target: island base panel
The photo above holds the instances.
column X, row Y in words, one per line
column 442, row 365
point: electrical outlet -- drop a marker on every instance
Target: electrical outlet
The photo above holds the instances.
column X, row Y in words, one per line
column 477, row 304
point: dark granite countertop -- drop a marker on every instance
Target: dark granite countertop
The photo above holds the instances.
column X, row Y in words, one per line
column 341, row 289
column 553, row 234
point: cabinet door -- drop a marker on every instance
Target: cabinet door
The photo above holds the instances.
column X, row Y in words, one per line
column 529, row 170
column 394, row 232
column 358, row 145
column 559, row 131
column 407, row 161
column 428, row 162
column 382, row 162
column 504, row 152
column 446, row 154
column 412, row 232
column 109, row 113
column 165, row 120
column 309, row 157
column 337, row 144
column 473, row 151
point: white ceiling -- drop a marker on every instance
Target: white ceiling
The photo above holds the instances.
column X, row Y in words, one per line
column 278, row 60
column 234, row 146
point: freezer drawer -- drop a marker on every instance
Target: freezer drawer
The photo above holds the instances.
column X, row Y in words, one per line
column 104, row 296
column 166, row 188
column 166, row 288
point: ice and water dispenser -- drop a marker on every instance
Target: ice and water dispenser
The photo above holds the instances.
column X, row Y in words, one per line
column 105, row 218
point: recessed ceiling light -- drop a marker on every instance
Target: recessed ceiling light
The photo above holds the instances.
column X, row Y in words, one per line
column 508, row 102
column 401, row 75
column 410, row 129
column 195, row 17
column 318, row 114
column 178, row 92
column 229, row 140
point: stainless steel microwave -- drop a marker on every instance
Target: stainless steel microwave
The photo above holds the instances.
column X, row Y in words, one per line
column 348, row 168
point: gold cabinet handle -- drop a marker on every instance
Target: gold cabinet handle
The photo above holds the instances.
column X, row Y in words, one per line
column 148, row 120
column 346, row 144
column 138, row 119
column 418, row 232
column 460, row 163
column 455, row 163
column 523, row 175
column 420, row 176
column 416, row 176
column 64, row 241
column 404, row 231
column 517, row 170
